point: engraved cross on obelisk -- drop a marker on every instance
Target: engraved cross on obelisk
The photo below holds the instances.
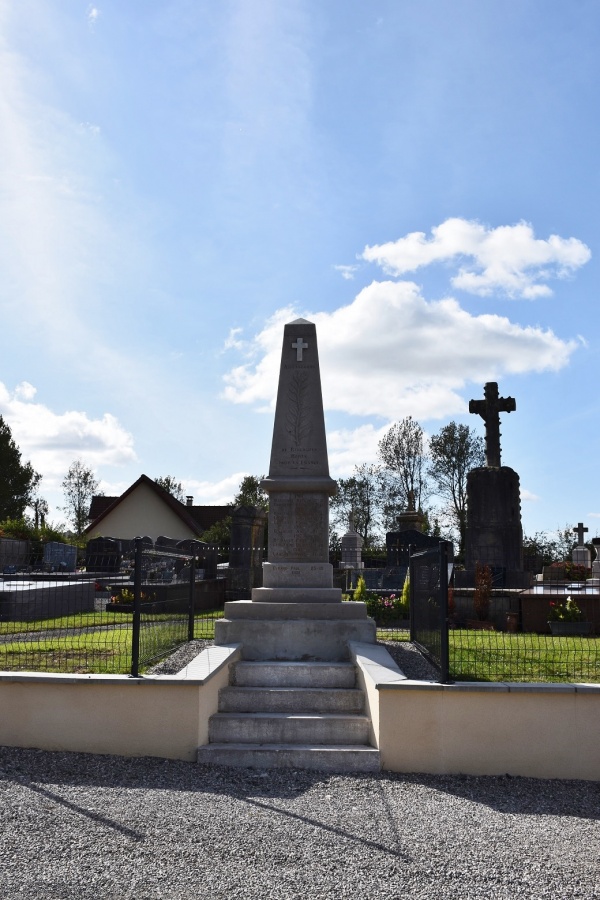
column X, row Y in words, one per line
column 489, row 409
column 299, row 346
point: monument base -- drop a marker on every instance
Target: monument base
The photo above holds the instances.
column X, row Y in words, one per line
column 296, row 595
column 294, row 631
column 296, row 582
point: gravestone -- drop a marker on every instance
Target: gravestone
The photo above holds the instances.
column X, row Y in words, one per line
column 62, row 557
column 581, row 555
column 494, row 533
column 103, row 555
column 298, row 483
column 352, row 544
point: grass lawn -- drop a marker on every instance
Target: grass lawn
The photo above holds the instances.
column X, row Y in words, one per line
column 106, row 649
column 500, row 656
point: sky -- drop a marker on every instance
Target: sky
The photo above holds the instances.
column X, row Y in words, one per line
column 179, row 178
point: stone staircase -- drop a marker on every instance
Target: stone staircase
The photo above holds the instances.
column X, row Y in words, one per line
column 294, row 714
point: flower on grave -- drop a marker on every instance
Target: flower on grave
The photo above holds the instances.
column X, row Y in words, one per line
column 565, row 612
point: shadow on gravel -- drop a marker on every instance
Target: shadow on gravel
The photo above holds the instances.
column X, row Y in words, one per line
column 40, row 770
column 517, row 796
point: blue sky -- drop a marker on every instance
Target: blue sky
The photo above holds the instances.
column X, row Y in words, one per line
column 418, row 177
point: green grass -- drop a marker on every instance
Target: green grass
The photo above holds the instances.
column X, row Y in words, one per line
column 107, row 650
column 80, row 653
column 500, row 656
column 395, row 635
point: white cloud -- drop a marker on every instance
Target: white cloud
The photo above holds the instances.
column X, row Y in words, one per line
column 392, row 353
column 348, row 447
column 214, row 493
column 93, row 14
column 51, row 441
column 347, row 272
column 594, row 515
column 528, row 496
column 508, row 258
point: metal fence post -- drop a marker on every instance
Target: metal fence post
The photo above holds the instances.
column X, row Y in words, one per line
column 193, row 548
column 444, row 640
column 137, row 603
column 411, row 588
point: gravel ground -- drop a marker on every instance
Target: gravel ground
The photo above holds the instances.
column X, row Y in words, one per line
column 76, row 827
column 405, row 655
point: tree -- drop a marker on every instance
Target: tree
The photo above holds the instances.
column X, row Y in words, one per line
column 172, row 486
column 250, row 493
column 40, row 510
column 360, row 495
column 18, row 480
column 79, row 486
column 403, row 453
column 454, row 451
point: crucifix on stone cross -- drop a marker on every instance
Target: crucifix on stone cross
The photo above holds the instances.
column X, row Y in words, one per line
column 489, row 409
column 580, row 531
column 299, row 346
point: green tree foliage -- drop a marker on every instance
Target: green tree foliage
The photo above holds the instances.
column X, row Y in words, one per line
column 18, row 480
column 454, row 451
column 24, row 530
column 402, row 451
column 553, row 546
column 250, row 493
column 219, row 533
column 171, row 486
column 79, row 486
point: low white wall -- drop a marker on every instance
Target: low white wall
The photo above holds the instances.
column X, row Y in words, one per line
column 165, row 716
column 536, row 730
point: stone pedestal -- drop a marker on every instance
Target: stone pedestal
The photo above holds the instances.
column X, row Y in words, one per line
column 352, row 544
column 494, row 531
column 582, row 557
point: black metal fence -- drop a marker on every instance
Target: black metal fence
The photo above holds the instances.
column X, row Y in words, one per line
column 429, row 606
column 98, row 622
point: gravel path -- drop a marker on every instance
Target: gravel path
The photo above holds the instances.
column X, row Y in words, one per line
column 405, row 655
column 76, row 827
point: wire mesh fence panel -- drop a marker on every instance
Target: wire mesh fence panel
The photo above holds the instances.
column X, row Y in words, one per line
column 57, row 621
column 552, row 633
column 428, row 605
column 502, row 656
column 83, row 621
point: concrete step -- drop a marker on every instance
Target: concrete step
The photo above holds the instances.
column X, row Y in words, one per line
column 293, row 674
column 331, row 758
column 288, row 728
column 291, row 699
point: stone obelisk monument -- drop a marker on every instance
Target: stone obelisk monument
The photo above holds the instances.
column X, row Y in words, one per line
column 297, row 614
column 298, row 484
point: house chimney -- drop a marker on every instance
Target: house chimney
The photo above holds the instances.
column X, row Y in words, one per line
column 189, row 501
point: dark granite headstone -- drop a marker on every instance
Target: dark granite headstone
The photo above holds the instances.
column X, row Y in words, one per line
column 398, row 544
column 103, row 555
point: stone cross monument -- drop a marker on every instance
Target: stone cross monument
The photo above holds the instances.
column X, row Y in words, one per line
column 298, row 484
column 581, row 554
column 494, row 533
column 489, row 409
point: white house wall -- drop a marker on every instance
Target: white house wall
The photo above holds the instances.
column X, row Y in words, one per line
column 142, row 513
